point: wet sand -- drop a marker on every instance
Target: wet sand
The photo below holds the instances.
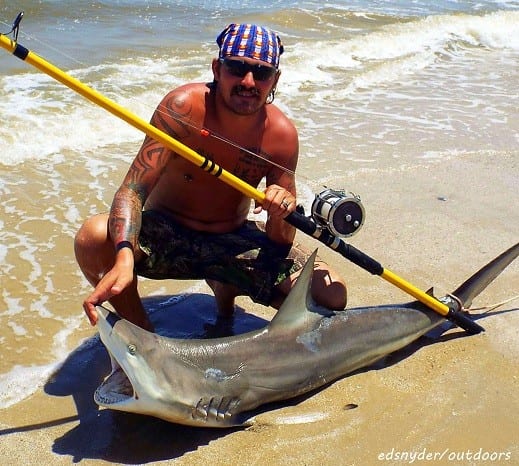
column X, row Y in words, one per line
column 452, row 399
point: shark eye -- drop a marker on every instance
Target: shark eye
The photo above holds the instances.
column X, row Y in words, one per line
column 132, row 349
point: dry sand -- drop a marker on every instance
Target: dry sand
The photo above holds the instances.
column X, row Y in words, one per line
column 446, row 400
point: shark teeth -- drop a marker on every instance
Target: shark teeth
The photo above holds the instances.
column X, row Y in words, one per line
column 115, row 389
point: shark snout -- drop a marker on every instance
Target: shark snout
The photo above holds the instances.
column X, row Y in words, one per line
column 110, row 317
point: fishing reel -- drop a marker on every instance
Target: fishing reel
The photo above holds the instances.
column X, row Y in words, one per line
column 339, row 212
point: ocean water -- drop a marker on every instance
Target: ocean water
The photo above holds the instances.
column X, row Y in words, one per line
column 369, row 84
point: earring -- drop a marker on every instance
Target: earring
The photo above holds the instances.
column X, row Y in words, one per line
column 271, row 96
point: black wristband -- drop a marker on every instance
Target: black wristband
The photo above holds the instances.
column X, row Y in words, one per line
column 123, row 244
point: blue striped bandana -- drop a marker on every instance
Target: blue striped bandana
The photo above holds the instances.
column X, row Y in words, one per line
column 250, row 41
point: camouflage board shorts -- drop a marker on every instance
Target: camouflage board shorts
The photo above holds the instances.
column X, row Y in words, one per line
column 245, row 257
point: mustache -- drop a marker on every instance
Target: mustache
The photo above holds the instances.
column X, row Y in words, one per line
column 239, row 89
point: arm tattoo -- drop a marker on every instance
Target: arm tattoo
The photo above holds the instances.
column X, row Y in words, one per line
column 125, row 216
column 149, row 158
column 174, row 111
column 172, row 117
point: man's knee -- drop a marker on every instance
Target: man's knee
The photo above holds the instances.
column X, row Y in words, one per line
column 93, row 231
column 328, row 288
column 337, row 296
column 91, row 242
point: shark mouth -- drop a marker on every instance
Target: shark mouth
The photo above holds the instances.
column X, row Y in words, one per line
column 116, row 389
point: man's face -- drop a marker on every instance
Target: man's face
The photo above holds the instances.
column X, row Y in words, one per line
column 244, row 83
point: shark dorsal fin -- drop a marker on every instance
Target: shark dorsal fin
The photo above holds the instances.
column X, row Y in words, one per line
column 295, row 309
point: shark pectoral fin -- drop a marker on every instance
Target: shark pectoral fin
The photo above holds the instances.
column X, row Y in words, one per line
column 296, row 306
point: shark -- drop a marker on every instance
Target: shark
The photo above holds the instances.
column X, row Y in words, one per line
column 220, row 382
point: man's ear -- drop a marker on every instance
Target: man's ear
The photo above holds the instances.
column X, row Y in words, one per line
column 276, row 79
column 216, row 66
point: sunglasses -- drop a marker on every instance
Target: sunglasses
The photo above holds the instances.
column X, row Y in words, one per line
column 240, row 68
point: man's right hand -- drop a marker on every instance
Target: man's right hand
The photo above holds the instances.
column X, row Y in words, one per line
column 114, row 282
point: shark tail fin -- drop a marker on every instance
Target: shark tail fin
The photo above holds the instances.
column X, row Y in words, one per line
column 472, row 287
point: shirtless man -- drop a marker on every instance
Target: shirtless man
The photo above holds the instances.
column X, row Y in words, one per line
column 170, row 219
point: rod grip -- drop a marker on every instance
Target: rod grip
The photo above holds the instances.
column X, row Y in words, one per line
column 306, row 225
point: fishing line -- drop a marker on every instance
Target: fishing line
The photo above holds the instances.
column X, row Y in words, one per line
column 336, row 210
column 205, row 132
column 16, row 28
column 327, row 206
column 208, row 133
column 492, row 307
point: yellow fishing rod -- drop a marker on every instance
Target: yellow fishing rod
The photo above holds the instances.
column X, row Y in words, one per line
column 452, row 312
